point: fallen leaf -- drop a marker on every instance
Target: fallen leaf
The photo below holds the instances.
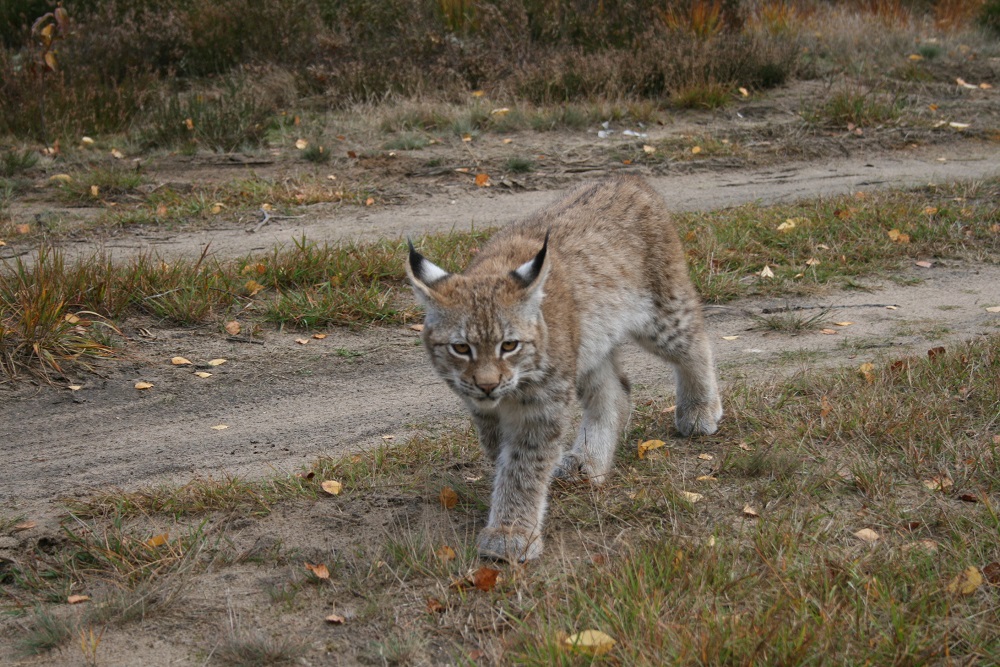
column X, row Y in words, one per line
column 745, row 447
column 216, row 362
column 158, row 540
column 217, row 208
column 253, row 287
column 74, row 387
column 143, row 385
column 648, row 446
column 448, row 498
column 23, row 228
column 86, row 141
column 829, row 332
column 668, row 410
column 307, row 475
column 915, row 57
column 892, row 307
column 744, row 92
column 302, row 144
column 482, row 180
column 706, row 457
column 787, row 225
column 369, row 201
column 467, row 138
column 77, row 599
column 867, row 372
column 161, row 210
column 417, row 327
column 319, row 336
column 180, row 361
column 705, row 478
column 812, row 261
column 958, row 126
column 967, row 581
column 335, row 619
column 965, row 84
column 593, row 642
column 189, row 123
column 434, row 606
column 930, row 210
column 446, row 553
column 750, row 512
column 321, row 571
column 766, row 272
column 302, row 341
column 60, row 178
column 897, row 236
column 938, row 483
column 25, row 525
column 843, row 324
column 508, row 141
column 485, row 578
column 924, row 264
column 925, row 545
column 94, row 191
column 992, row 573
column 993, row 309
column 690, row 496
column 935, row 351
column 203, row 374
column 477, row 93
column 332, row 486
column 730, row 337
column 117, row 154
column 985, row 86
column 867, row 535
column 648, row 150
column 233, row 327
column 825, row 407
column 220, row 427
column 695, row 150
column 969, row 498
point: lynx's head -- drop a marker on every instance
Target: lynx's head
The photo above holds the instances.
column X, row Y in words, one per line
column 484, row 330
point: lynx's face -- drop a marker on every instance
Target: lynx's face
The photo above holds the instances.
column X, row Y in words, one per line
column 485, row 333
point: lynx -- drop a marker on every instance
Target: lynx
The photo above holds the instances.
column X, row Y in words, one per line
column 540, row 313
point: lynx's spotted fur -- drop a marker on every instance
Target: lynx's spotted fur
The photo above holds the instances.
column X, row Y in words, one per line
column 540, row 314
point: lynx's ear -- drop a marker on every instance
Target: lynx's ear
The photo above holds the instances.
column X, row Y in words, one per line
column 533, row 274
column 423, row 274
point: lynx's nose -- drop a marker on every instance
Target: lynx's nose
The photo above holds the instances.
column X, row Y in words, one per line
column 487, row 386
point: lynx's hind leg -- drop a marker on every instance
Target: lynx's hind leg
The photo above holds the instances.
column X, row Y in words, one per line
column 604, row 393
column 677, row 335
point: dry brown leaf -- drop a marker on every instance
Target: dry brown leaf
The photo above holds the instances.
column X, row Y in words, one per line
column 448, row 498
column 935, row 351
column 332, row 486
column 117, row 154
column 787, row 225
column 867, row 371
column 825, row 407
column 648, row 446
column 695, row 150
column 203, row 374
column 482, row 180
column 77, row 599
column 319, row 336
column 812, row 261
column 446, row 553
column 924, row 264
column 750, row 512
column 216, row 362
column 95, row 191
column 969, row 498
column 939, row 483
column 485, row 578
column 648, row 150
column 417, row 327
column 867, row 535
column 319, row 570
column 592, row 642
column 143, row 385
column 766, row 272
column 993, row 309
column 691, row 496
column 220, row 427
column 706, row 457
column 897, row 236
column 180, row 361
column 743, row 91
column 22, row 229
column 24, row 525
column 253, row 287
column 302, row 144
column 992, row 573
column 745, row 447
column 233, row 327
column 843, row 324
column 302, row 341
column 730, row 337
column 434, row 606
column 967, row 581
column 74, row 387
column 370, row 201
column 335, row 619
column 158, row 540
column 705, row 478
column 829, row 332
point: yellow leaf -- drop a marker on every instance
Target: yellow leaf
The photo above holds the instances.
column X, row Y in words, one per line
column 446, row 553
column 867, row 535
column 593, row 642
column 77, row 599
column 158, row 540
column 203, row 374
column 508, row 141
column 503, row 111
column 812, row 261
column 117, row 154
column 843, row 324
column 332, row 486
column 50, row 61
column 649, row 445
column 705, row 478
column 930, row 210
column 467, row 138
column 188, row 123
column 706, row 457
column 94, row 191
column 866, row 371
column 369, row 201
column 730, row 337
column 967, row 581
column 216, row 362
column 690, row 496
column 787, row 225
column 319, row 336
column 61, row 178
column 335, row 619
column 143, row 385
column 915, row 57
column 695, row 150
column 939, row 483
column 217, row 207
column 482, row 180
column 321, row 571
column 477, row 93
column 750, row 512
column 180, row 361
column 232, row 327
column 828, row 332
column 302, row 341
column 220, row 427
column 744, row 92
column 253, row 287
column 301, row 144
column 448, row 498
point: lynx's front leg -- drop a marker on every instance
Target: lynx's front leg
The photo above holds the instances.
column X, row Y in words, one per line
column 529, row 451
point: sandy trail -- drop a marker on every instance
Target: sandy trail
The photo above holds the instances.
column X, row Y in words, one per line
column 283, row 404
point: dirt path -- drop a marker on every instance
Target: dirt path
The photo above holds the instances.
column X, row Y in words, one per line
column 284, row 403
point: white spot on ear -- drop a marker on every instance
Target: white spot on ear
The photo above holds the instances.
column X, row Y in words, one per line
column 430, row 272
column 526, row 271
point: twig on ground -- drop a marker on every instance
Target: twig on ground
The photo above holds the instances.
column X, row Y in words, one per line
column 268, row 217
column 788, row 309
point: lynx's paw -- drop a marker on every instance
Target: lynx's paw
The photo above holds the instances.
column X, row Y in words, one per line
column 513, row 545
column 573, row 467
column 699, row 419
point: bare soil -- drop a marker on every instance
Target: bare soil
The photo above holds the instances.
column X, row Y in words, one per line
column 284, row 403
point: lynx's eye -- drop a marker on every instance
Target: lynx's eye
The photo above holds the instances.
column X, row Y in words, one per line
column 509, row 345
column 461, row 349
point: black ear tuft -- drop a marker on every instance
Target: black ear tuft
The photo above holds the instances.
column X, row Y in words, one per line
column 416, row 261
column 529, row 271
